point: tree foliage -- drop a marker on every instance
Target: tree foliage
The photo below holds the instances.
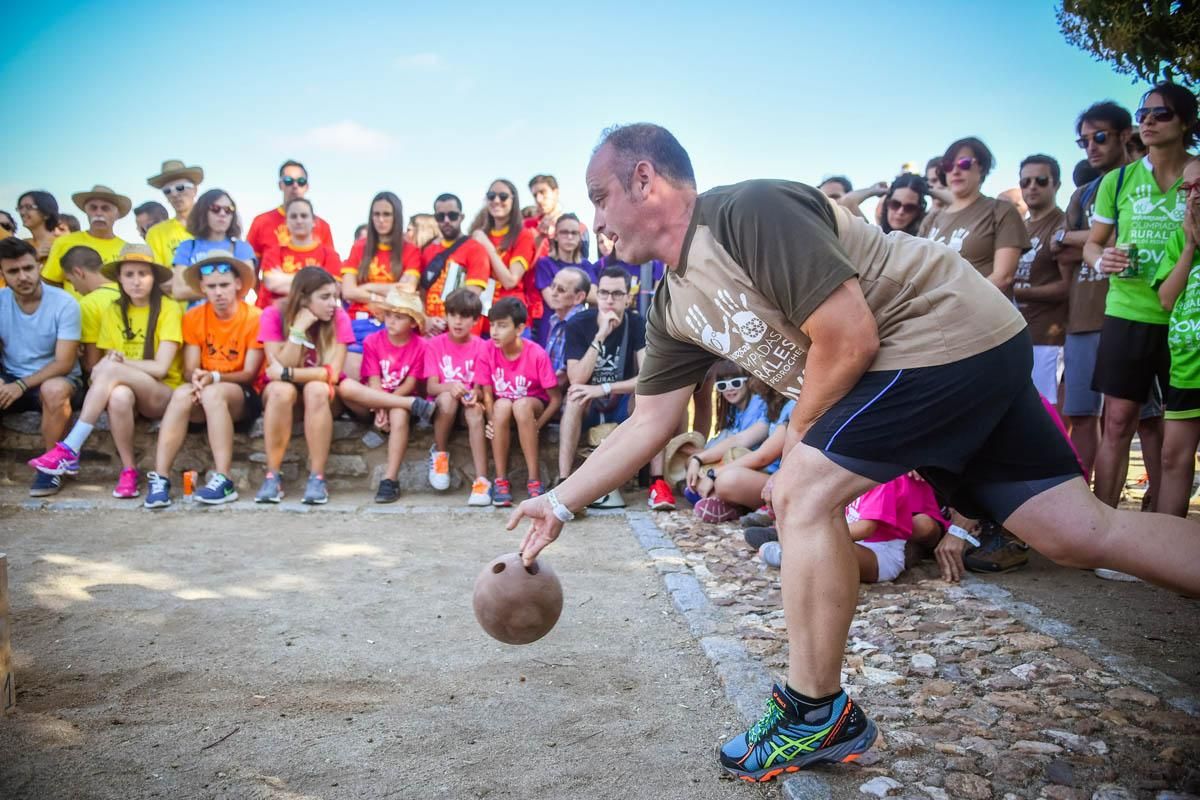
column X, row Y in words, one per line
column 1151, row 40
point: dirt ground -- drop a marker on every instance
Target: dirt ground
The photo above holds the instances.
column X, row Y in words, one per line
column 330, row 655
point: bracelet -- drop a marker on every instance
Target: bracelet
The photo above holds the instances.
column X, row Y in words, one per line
column 607, row 389
column 561, row 512
column 24, row 386
column 287, row 375
column 299, row 333
column 302, row 342
column 216, row 376
column 595, row 345
column 699, row 460
column 954, row 530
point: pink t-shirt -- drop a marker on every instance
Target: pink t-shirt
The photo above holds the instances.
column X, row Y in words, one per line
column 529, row 375
column 270, row 329
column 448, row 361
column 393, row 364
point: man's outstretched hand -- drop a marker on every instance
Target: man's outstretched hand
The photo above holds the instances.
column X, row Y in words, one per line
column 544, row 527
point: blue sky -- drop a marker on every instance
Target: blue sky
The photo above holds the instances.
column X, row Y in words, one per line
column 418, row 99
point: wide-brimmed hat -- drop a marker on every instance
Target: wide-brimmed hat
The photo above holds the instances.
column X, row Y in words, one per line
column 246, row 272
column 403, row 303
column 173, row 170
column 676, row 462
column 122, row 202
column 141, row 254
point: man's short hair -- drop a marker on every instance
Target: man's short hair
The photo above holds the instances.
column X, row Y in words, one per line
column 1106, row 111
column 1041, row 158
column 14, row 247
column 1084, row 173
column 549, row 180
column 463, row 302
column 842, row 179
column 510, row 308
column 291, row 163
column 645, row 141
column 157, row 211
column 616, row 272
column 446, row 197
column 82, row 257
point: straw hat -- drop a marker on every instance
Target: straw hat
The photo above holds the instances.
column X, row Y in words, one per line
column 173, row 170
column 122, row 202
column 140, row 254
column 246, row 272
column 401, row 302
column 676, row 462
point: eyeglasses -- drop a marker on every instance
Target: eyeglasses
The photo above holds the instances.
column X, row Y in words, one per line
column 963, row 164
column 732, row 383
column 501, row 196
column 908, row 208
column 27, row 207
column 288, row 180
column 605, row 294
column 1187, row 188
column 221, row 269
column 452, row 216
column 1158, row 113
column 177, row 188
column 1041, row 180
column 8, row 226
column 1099, row 137
column 225, row 210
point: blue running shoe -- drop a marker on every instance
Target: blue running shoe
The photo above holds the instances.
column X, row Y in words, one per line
column 158, row 494
column 501, row 493
column 786, row 741
column 271, row 491
column 45, row 485
column 315, row 492
column 218, row 490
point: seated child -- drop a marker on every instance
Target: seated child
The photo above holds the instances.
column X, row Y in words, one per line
column 450, row 371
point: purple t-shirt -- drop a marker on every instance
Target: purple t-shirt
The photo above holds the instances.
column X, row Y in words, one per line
column 546, row 268
column 270, row 329
column 391, row 363
column 530, row 374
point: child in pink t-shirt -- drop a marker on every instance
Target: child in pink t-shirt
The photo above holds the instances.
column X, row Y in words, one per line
column 882, row 520
column 393, row 365
column 450, row 361
column 518, row 384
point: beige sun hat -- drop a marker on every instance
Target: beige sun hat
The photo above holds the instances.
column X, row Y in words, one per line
column 401, row 302
column 173, row 170
column 676, row 462
column 191, row 275
column 141, row 254
column 122, row 202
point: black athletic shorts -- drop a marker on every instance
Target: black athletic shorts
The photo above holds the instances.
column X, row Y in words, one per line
column 1131, row 356
column 976, row 429
column 32, row 399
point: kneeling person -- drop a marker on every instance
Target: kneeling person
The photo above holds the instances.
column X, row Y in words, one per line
column 221, row 360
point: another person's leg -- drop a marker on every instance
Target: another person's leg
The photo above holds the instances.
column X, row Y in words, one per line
column 1150, row 438
column 741, row 485
column 279, row 402
column 443, row 420
column 172, row 431
column 223, row 404
column 55, row 396
column 477, row 438
column 318, row 425
column 1081, row 404
column 1180, row 439
column 570, row 428
column 397, row 442
column 502, row 418
column 526, row 412
column 1120, row 422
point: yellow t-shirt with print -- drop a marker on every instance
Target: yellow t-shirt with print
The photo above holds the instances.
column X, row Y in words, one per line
column 114, row 336
column 52, row 271
column 164, row 237
column 91, row 310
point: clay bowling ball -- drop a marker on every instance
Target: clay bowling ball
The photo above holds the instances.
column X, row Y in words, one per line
column 517, row 604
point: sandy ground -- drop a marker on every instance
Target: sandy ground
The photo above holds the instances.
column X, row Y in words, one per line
column 277, row 655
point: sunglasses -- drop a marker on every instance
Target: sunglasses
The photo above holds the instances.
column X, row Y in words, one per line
column 177, row 188
column 907, row 208
column 452, row 216
column 1041, row 180
column 8, row 226
column 288, row 180
column 219, row 209
column 221, row 269
column 963, row 164
column 1099, row 137
column 1157, row 113
column 732, row 383
column 1188, row 188
column 502, row 196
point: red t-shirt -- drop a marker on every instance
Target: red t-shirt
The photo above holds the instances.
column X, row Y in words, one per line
column 270, row 228
column 290, row 259
column 521, row 253
column 473, row 258
column 380, row 268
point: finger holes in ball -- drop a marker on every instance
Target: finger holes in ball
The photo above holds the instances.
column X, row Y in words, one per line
column 498, row 568
column 532, row 569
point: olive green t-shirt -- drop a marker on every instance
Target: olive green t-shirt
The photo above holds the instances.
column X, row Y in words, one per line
column 760, row 256
column 1037, row 267
column 978, row 231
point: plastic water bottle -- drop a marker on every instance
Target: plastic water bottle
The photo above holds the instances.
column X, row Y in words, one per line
column 771, row 554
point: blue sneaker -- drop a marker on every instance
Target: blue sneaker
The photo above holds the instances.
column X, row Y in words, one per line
column 271, row 491
column 786, row 741
column 158, row 495
column 315, row 493
column 501, row 493
column 45, row 485
column 218, row 490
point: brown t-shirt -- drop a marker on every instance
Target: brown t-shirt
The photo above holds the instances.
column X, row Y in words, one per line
column 978, row 231
column 1089, row 288
column 761, row 256
column 1037, row 267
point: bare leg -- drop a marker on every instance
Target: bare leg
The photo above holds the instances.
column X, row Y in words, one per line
column 502, row 412
column 1150, row 434
column 279, row 402
column 318, row 425
column 1085, row 435
column 397, row 442
column 702, row 402
column 1071, row 527
column 359, row 396
column 222, row 403
column 868, row 564
column 443, row 420
column 526, row 411
column 173, row 430
column 56, row 409
column 741, row 485
column 1120, row 421
column 121, row 419
column 569, row 429
column 1180, row 438
column 352, row 366
column 478, row 439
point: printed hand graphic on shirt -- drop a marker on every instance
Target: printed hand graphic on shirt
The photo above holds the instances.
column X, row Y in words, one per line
column 1025, row 266
column 708, row 335
column 453, row 373
column 388, row 379
column 957, row 238
column 748, row 323
column 514, row 390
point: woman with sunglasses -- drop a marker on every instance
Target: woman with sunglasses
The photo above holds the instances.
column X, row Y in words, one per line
column 1137, row 203
column 302, row 249
column 39, row 215
column 500, row 230
column 214, row 226
column 985, row 231
column 904, row 205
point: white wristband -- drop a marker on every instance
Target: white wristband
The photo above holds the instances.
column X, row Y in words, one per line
column 606, row 388
column 561, row 512
column 954, row 530
column 216, row 376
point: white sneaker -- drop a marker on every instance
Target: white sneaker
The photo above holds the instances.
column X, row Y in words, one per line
column 481, row 492
column 439, row 469
column 1114, row 575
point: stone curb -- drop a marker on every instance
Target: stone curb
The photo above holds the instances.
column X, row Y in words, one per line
column 1173, row 692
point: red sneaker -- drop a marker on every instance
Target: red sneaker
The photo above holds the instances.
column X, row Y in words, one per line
column 661, row 497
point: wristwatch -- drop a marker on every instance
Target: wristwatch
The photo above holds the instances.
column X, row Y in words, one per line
column 560, row 512
column 1060, row 235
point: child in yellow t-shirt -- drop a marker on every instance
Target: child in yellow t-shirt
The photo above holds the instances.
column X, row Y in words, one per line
column 139, row 370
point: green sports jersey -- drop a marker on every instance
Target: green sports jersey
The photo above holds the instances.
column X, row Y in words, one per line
column 1184, row 328
column 1146, row 217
